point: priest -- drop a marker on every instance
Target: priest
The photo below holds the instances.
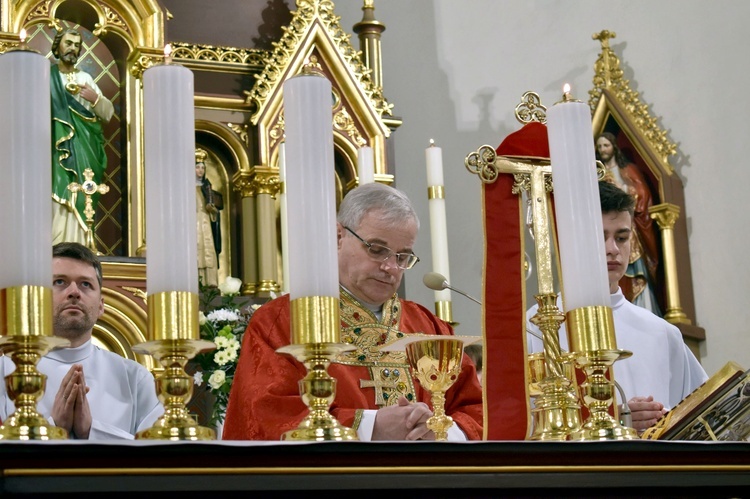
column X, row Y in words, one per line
column 375, row 393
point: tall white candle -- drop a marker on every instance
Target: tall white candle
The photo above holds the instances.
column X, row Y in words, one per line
column 438, row 222
column 284, row 221
column 25, row 162
column 169, row 128
column 365, row 165
column 577, row 205
column 310, row 187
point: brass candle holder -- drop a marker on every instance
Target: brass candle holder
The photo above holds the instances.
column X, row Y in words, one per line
column 26, row 321
column 173, row 321
column 436, row 363
column 557, row 413
column 591, row 336
column 316, row 343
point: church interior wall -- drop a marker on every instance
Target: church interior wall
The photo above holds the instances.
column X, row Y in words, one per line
column 456, row 70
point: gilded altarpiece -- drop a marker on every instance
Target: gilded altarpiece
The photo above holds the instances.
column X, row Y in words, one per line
column 618, row 110
column 240, row 127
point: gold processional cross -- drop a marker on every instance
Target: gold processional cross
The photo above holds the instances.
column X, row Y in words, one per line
column 558, row 401
column 89, row 188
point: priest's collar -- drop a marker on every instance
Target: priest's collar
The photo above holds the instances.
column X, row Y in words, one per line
column 618, row 299
column 72, row 355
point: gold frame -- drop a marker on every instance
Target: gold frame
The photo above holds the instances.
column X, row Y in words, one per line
column 613, row 99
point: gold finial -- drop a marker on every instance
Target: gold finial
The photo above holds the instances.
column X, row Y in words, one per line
column 200, row 155
column 369, row 4
column 604, row 36
column 531, row 109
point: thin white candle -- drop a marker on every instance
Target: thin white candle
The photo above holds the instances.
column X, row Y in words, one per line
column 284, row 221
column 438, row 222
column 365, row 165
column 577, row 205
column 169, row 127
column 25, row 138
column 310, row 187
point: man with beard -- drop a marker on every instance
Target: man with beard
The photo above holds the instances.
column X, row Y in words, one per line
column 78, row 110
column 375, row 393
column 92, row 393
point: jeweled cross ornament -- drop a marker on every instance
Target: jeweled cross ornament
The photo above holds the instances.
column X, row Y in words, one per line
column 89, row 188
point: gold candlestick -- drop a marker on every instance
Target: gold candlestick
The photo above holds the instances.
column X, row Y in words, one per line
column 173, row 321
column 26, row 320
column 591, row 336
column 436, row 363
column 316, row 343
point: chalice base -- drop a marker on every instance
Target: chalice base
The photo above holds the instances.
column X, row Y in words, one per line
column 315, row 428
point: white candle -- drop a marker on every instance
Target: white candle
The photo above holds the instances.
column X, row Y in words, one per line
column 169, row 128
column 284, row 221
column 25, row 162
column 438, row 222
column 365, row 165
column 577, row 206
column 310, row 187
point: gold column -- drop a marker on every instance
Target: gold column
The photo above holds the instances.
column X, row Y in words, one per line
column 244, row 185
column 267, row 183
column 666, row 214
column 369, row 30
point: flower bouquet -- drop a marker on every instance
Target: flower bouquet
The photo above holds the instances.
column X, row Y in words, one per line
column 223, row 317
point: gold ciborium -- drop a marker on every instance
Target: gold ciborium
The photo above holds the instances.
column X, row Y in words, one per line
column 436, row 363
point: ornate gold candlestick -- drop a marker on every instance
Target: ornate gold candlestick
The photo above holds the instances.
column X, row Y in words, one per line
column 26, row 321
column 173, row 321
column 436, row 363
column 591, row 336
column 315, row 343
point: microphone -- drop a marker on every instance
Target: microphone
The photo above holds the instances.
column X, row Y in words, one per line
column 438, row 282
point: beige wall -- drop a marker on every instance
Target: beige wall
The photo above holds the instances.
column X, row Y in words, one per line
column 456, row 69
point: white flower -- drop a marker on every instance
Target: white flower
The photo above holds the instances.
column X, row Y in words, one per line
column 198, row 378
column 231, row 286
column 201, row 318
column 231, row 355
column 221, row 357
column 232, row 344
column 217, row 379
column 223, row 315
column 221, row 342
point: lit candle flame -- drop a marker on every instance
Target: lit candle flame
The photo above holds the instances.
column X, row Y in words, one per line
column 566, row 88
column 432, row 143
column 22, row 35
column 167, row 50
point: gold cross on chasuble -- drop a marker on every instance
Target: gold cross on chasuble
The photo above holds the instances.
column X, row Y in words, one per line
column 389, row 371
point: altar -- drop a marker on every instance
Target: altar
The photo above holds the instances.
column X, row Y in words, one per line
column 419, row 469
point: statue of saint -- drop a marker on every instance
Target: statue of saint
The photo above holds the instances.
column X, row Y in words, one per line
column 208, row 204
column 78, row 111
column 639, row 282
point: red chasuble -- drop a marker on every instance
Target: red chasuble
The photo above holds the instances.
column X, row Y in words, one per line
column 265, row 400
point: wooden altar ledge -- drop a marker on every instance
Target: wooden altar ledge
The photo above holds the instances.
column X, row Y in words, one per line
column 419, row 469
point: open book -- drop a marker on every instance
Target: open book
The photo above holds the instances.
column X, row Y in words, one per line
column 719, row 409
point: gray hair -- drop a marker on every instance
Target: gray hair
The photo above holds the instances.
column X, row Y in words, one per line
column 393, row 204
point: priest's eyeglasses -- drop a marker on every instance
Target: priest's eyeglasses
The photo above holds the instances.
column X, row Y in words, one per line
column 382, row 253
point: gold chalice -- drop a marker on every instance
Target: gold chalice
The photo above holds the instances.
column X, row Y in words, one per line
column 436, row 363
